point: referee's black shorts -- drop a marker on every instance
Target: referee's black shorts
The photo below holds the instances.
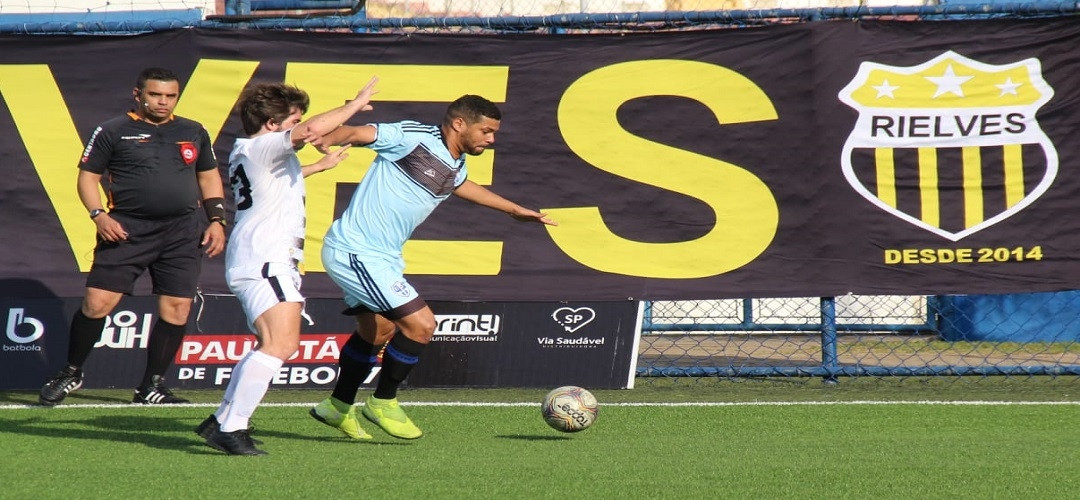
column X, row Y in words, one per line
column 169, row 248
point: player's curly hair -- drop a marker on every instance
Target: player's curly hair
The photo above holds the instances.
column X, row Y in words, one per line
column 269, row 101
column 471, row 108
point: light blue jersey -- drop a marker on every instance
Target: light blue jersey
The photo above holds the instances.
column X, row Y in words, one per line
column 412, row 173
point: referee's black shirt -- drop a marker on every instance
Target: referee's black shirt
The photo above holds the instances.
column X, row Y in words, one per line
column 149, row 170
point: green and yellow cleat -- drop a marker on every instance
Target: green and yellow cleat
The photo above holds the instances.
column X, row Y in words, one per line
column 387, row 414
column 328, row 413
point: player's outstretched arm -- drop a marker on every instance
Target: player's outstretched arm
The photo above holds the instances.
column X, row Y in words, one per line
column 325, row 122
column 328, row 161
column 480, row 195
column 357, row 136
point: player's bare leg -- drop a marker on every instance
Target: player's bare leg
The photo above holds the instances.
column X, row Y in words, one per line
column 278, row 330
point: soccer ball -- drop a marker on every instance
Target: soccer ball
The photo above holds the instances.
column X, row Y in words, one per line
column 569, row 409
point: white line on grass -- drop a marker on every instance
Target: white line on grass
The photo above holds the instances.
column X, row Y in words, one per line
column 526, row 404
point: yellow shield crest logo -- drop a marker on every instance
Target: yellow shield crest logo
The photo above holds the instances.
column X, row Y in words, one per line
column 951, row 145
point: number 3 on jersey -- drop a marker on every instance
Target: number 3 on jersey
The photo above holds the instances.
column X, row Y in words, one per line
column 241, row 187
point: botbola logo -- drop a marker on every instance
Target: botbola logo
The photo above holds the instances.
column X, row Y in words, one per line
column 951, row 145
column 22, row 329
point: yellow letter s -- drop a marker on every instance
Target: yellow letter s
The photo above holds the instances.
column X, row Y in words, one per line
column 746, row 212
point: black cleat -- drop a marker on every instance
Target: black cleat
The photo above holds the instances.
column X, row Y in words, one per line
column 234, row 443
column 156, row 394
column 57, row 388
column 209, row 426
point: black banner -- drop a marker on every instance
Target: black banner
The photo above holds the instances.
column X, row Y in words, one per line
column 591, row 344
column 804, row 160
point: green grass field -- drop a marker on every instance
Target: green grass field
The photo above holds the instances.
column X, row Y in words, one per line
column 903, row 439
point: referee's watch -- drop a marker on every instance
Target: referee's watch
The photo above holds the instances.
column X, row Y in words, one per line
column 96, row 212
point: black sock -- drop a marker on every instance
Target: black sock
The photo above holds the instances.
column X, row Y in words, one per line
column 400, row 357
column 165, row 340
column 357, row 358
column 85, row 332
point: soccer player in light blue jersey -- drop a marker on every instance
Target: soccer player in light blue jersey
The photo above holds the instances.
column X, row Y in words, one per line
column 417, row 167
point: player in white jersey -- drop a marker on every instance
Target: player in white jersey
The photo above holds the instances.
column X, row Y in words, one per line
column 262, row 269
column 417, row 167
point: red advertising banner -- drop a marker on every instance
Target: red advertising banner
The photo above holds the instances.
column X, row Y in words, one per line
column 806, row 160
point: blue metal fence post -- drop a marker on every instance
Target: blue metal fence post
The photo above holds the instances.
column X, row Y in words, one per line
column 748, row 312
column 829, row 362
column 237, row 7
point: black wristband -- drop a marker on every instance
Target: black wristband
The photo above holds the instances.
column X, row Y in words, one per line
column 214, row 208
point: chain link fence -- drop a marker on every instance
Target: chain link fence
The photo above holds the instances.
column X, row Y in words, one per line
column 1013, row 335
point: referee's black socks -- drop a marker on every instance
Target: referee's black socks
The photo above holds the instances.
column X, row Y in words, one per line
column 85, row 332
column 165, row 340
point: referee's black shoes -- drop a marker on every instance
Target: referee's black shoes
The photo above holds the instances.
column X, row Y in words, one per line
column 156, row 394
column 57, row 388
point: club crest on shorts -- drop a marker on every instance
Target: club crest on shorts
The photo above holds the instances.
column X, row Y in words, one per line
column 400, row 288
column 951, row 145
column 188, row 152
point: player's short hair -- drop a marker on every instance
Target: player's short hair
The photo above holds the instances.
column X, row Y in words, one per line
column 160, row 74
column 269, row 101
column 471, row 108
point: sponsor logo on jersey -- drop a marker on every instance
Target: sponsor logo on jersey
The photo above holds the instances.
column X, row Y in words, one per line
column 188, row 152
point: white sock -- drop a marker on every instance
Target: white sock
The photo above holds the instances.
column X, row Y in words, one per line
column 250, row 380
column 230, row 391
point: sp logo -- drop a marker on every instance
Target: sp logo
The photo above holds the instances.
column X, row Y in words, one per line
column 951, row 145
column 573, row 319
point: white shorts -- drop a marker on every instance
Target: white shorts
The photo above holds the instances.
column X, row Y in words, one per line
column 260, row 288
column 379, row 285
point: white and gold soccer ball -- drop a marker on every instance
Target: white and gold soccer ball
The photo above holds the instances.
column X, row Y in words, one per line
column 569, row 409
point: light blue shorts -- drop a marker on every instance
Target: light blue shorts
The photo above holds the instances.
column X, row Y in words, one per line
column 377, row 284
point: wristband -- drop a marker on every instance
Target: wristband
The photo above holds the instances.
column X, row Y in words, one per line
column 214, row 208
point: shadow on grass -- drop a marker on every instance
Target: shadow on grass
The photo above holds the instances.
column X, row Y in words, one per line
column 152, row 431
column 30, row 398
column 524, row 437
column 18, row 397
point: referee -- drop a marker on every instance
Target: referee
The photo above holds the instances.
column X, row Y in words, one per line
column 157, row 167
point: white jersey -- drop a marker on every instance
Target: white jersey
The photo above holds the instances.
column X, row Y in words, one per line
column 268, row 187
